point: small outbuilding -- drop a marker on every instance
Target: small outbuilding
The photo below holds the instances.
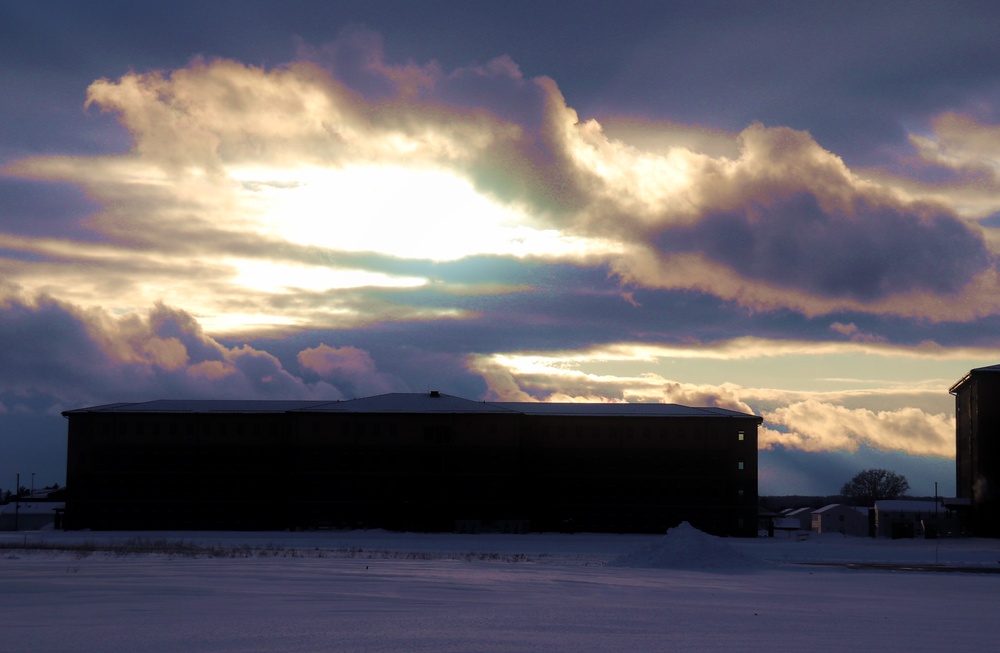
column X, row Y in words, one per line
column 899, row 518
column 802, row 515
column 841, row 518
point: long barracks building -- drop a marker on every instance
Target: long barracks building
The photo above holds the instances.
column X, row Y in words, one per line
column 427, row 462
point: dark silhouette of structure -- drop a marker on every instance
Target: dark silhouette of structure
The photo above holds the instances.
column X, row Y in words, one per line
column 977, row 453
column 428, row 462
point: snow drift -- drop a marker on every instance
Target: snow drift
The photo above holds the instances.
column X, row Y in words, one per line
column 686, row 547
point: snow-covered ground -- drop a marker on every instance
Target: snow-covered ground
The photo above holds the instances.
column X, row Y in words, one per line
column 379, row 591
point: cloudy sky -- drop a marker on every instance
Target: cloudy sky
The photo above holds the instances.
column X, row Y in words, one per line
column 789, row 209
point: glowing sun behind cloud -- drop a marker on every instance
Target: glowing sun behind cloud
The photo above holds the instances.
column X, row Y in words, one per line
column 398, row 211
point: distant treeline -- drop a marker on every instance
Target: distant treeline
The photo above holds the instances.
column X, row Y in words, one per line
column 6, row 496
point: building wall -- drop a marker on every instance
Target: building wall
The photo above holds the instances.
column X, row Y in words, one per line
column 977, row 455
column 840, row 518
column 892, row 520
column 801, row 515
column 411, row 471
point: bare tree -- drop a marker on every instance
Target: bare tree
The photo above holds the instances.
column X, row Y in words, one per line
column 871, row 485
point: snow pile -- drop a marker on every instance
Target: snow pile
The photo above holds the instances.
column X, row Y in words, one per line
column 685, row 547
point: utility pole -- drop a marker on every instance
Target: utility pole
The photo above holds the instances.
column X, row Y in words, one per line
column 937, row 542
column 17, row 499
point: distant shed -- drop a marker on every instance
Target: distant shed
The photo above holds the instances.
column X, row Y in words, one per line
column 802, row 515
column 841, row 518
column 900, row 518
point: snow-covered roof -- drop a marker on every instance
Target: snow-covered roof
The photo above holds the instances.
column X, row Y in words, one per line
column 797, row 512
column 907, row 505
column 409, row 402
column 616, row 409
column 413, row 403
column 203, row 406
column 831, row 506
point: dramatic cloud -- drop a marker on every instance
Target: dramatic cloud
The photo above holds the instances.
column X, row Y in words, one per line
column 348, row 366
column 965, row 145
column 355, row 222
column 871, row 253
column 816, row 415
column 265, row 185
column 76, row 357
column 815, row 426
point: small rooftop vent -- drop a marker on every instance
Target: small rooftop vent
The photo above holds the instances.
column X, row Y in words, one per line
column 435, row 393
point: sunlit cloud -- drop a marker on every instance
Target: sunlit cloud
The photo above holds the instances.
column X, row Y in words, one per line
column 956, row 162
column 276, row 277
column 816, row 426
column 746, row 348
column 810, row 413
column 288, row 169
column 964, row 144
column 350, row 368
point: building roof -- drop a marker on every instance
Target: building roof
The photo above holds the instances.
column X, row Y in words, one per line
column 203, row 406
column 907, row 505
column 616, row 409
column 411, row 403
column 828, row 508
column 989, row 369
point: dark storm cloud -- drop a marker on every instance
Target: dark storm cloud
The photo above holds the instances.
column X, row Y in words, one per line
column 45, row 349
column 34, row 208
column 867, row 254
column 824, row 473
column 73, row 357
column 857, row 75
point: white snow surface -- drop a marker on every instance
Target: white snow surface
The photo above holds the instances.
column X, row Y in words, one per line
column 378, row 591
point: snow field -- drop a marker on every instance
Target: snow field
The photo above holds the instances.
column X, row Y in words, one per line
column 369, row 591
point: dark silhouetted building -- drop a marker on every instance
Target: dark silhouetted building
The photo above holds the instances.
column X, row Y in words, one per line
column 422, row 462
column 977, row 453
